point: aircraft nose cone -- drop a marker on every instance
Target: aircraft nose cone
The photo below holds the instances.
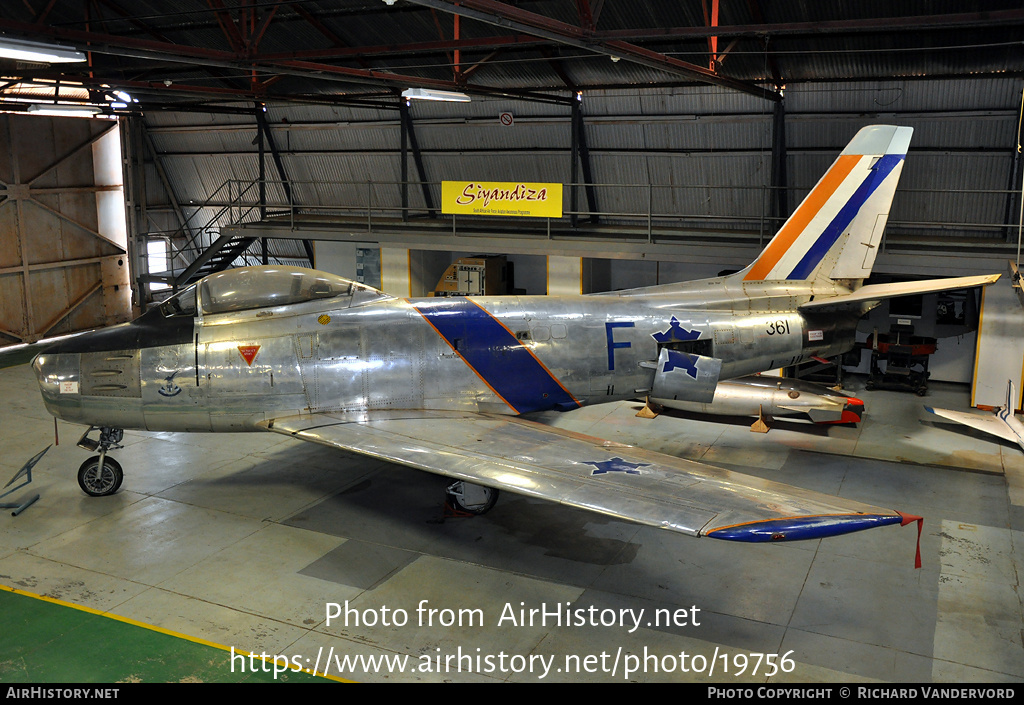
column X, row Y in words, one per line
column 44, row 365
column 57, row 376
column 853, row 410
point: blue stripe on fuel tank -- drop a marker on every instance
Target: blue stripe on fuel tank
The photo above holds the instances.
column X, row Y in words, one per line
column 882, row 168
column 506, row 365
column 800, row 528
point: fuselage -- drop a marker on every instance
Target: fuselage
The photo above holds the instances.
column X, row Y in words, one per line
column 182, row 368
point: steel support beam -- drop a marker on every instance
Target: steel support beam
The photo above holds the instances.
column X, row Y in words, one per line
column 404, row 146
column 773, row 66
column 1016, row 192
column 71, row 221
column 574, row 169
column 165, row 181
column 961, row 20
column 72, row 154
column 584, row 158
column 264, row 259
column 48, row 326
column 512, row 18
column 417, row 157
column 264, row 128
column 117, row 45
column 780, row 181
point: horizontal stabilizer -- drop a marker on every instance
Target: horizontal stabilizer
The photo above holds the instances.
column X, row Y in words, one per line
column 880, row 292
column 986, row 423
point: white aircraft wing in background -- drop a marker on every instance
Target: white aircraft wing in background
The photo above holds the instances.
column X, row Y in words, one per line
column 1002, row 423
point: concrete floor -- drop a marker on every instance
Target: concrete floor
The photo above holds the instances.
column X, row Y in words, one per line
column 243, row 540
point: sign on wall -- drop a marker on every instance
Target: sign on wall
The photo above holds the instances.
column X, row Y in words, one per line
column 501, row 198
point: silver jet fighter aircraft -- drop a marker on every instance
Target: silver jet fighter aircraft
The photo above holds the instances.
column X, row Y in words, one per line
column 442, row 384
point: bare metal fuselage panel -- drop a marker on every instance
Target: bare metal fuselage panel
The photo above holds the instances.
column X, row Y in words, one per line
column 508, row 355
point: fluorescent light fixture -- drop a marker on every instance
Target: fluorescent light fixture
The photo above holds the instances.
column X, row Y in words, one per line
column 63, row 110
column 431, row 94
column 123, row 100
column 37, row 51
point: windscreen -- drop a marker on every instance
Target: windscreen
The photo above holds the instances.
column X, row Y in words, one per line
column 183, row 304
column 260, row 287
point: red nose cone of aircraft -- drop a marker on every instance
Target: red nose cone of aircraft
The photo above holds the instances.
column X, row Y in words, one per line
column 852, row 411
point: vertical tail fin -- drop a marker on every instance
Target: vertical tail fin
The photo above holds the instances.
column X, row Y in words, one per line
column 835, row 232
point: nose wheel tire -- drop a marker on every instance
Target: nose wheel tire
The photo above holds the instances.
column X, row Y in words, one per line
column 100, row 484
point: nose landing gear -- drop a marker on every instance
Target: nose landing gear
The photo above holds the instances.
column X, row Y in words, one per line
column 100, row 476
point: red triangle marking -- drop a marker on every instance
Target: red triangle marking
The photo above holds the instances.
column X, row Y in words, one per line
column 248, row 353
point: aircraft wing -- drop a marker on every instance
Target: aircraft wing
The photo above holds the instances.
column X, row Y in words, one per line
column 529, row 458
column 988, row 423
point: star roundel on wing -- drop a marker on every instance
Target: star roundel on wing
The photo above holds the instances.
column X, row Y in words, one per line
column 615, row 465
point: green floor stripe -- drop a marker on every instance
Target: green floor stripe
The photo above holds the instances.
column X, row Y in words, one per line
column 43, row 642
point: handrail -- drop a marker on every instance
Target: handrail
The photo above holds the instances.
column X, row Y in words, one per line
column 367, row 200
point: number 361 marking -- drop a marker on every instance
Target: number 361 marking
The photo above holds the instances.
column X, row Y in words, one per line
column 780, row 327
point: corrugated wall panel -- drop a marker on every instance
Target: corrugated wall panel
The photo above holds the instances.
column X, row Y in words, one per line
column 707, row 150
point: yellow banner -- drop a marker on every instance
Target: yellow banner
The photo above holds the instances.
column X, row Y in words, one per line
column 501, row 198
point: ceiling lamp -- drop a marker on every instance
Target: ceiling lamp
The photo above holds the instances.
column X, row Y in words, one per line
column 63, row 110
column 431, row 94
column 37, row 51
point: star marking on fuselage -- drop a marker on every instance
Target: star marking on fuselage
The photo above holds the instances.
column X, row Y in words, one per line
column 675, row 333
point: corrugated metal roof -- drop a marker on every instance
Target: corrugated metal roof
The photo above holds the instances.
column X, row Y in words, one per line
column 295, row 49
column 705, row 150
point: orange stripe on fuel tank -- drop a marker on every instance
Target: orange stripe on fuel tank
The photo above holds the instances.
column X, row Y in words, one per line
column 810, row 207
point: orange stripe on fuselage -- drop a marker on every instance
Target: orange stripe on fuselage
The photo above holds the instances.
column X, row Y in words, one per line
column 804, row 214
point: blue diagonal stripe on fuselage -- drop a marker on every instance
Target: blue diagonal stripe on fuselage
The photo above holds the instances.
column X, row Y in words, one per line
column 883, row 167
column 495, row 355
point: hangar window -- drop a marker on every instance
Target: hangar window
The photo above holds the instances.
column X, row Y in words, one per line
column 259, row 287
column 158, row 259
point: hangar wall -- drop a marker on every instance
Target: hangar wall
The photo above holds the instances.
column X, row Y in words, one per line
column 63, row 238
column 698, row 159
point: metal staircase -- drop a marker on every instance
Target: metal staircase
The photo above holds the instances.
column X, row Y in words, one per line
column 223, row 249
column 216, row 258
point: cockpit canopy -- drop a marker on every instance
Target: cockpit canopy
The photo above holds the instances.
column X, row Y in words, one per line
column 260, row 287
